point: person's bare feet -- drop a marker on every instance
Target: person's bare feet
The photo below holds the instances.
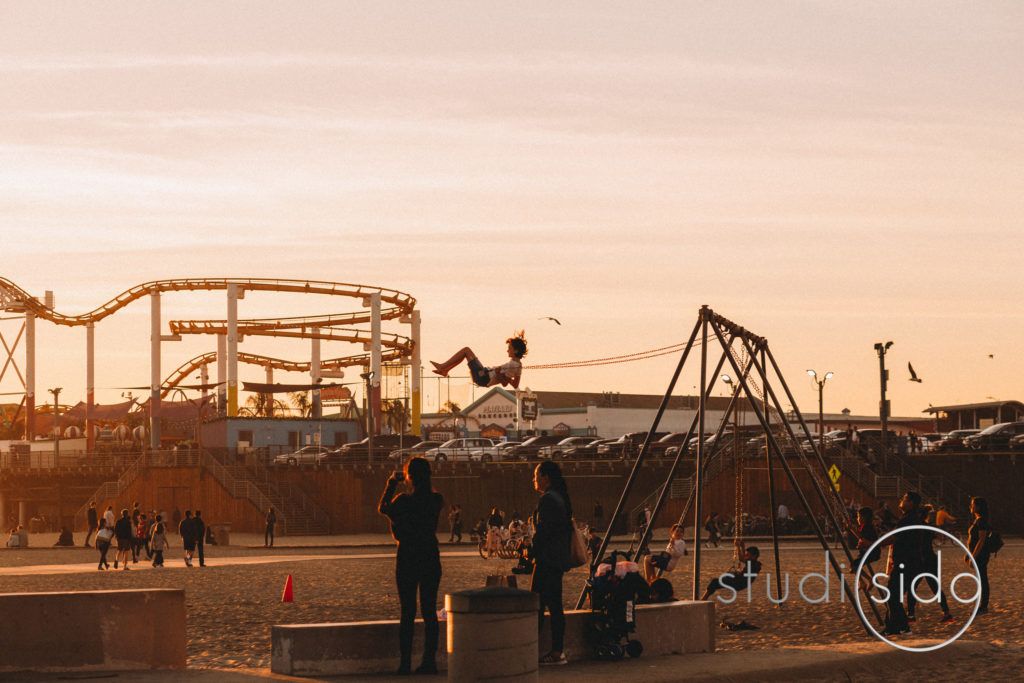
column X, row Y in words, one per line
column 438, row 369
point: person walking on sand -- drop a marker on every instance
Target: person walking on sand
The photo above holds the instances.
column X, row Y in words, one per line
column 158, row 543
column 125, row 541
column 268, row 533
column 188, row 539
column 414, row 515
column 549, row 551
column 455, row 520
column 103, row 537
column 506, row 374
column 93, row 519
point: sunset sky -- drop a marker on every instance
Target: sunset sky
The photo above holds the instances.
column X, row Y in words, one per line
column 827, row 174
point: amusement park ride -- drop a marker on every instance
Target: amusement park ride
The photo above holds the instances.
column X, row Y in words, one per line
column 377, row 305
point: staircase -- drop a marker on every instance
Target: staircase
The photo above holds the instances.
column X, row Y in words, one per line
column 297, row 514
column 899, row 477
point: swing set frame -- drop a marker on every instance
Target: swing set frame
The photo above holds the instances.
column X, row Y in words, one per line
column 757, row 359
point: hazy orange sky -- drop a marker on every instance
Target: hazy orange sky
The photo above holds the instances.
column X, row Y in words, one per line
column 829, row 175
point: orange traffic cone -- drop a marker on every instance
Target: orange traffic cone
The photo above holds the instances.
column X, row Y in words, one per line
column 287, row 597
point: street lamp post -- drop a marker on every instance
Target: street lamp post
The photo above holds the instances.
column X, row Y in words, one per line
column 883, row 404
column 821, row 406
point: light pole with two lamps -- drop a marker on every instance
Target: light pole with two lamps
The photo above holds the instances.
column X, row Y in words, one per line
column 821, row 406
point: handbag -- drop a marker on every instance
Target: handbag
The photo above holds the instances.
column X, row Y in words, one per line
column 577, row 548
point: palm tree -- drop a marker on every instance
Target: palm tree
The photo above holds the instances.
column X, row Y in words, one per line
column 395, row 414
column 300, row 401
column 452, row 410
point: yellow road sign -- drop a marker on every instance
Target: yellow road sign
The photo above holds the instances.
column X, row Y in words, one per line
column 834, row 474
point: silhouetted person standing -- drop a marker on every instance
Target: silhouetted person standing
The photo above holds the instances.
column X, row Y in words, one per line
column 268, row 533
column 93, row 518
column 414, row 516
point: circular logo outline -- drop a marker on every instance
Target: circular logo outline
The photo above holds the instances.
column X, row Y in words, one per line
column 860, row 569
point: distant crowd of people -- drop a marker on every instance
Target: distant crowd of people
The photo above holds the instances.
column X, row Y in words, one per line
column 134, row 532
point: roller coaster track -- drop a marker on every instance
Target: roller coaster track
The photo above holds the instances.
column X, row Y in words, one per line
column 388, row 339
column 190, row 366
column 13, row 298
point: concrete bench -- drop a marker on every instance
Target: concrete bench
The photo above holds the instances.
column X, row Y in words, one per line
column 118, row 630
column 356, row 647
column 367, row 647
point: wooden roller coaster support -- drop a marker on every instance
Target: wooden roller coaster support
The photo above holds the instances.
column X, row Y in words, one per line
column 154, row 371
column 268, row 399
column 30, row 375
column 375, row 361
column 414, row 324
column 232, row 357
column 90, row 385
column 316, row 406
column 222, row 373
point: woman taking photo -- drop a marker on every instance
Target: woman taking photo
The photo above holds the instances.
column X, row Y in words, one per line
column 552, row 522
column 414, row 515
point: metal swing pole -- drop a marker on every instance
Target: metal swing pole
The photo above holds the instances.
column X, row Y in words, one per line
column 771, row 486
column 792, row 479
column 636, row 465
column 699, row 477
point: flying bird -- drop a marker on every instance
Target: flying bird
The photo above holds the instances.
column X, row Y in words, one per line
column 991, row 355
column 548, row 317
column 913, row 375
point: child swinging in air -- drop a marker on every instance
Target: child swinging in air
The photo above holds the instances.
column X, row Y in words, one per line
column 506, row 374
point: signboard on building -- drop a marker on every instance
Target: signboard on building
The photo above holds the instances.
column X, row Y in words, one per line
column 561, row 429
column 335, row 394
column 492, row 431
column 528, row 409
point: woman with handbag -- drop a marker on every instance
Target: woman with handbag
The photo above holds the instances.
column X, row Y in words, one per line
column 553, row 526
column 104, row 535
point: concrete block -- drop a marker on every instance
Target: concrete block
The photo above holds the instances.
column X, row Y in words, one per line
column 117, row 630
column 680, row 627
column 489, row 625
column 360, row 647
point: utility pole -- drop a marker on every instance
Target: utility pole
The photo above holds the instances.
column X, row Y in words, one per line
column 883, row 404
column 821, row 406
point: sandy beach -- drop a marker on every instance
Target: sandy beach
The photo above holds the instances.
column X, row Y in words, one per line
column 233, row 602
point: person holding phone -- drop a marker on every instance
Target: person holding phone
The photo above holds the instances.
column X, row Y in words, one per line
column 414, row 516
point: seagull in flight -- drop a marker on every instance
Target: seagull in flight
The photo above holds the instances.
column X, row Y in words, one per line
column 548, row 317
column 913, row 375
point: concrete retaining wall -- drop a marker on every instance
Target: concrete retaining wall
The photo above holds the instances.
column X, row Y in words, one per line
column 369, row 647
column 119, row 630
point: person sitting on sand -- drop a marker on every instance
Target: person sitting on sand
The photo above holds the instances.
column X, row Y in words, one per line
column 667, row 559
column 65, row 538
column 506, row 374
column 741, row 577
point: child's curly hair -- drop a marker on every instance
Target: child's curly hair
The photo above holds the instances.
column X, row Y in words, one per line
column 518, row 342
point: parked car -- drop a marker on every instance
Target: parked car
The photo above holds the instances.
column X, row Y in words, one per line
column 557, row 451
column 995, row 438
column 528, row 449
column 460, row 449
column 660, row 447
column 307, row 455
column 402, row 454
column 500, row 451
column 383, row 444
column 1017, row 443
column 626, row 446
column 585, row 451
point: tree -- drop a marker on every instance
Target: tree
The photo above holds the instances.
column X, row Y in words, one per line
column 300, row 401
column 395, row 415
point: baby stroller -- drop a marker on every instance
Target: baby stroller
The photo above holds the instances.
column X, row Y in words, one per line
column 615, row 589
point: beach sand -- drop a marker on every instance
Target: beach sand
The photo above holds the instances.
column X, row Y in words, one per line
column 231, row 607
